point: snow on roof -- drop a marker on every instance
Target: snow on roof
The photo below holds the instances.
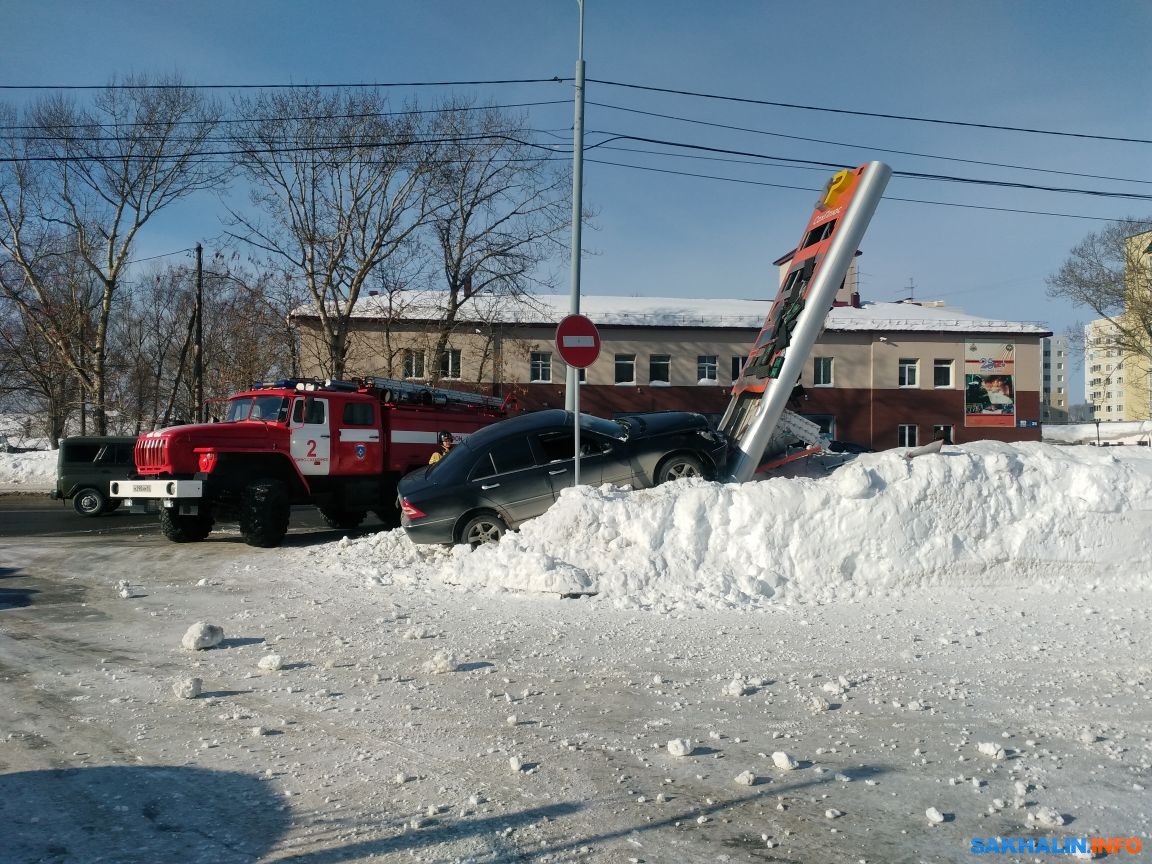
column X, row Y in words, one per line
column 616, row 311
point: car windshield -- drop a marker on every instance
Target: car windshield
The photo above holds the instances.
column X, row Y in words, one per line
column 268, row 408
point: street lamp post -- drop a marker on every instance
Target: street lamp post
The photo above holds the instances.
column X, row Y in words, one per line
column 572, row 381
column 198, row 350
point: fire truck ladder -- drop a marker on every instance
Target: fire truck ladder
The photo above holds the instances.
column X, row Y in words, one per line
column 396, row 390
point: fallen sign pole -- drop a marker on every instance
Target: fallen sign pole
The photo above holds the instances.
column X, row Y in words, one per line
column 578, row 342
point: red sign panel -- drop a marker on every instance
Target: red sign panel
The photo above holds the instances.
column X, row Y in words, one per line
column 578, row 341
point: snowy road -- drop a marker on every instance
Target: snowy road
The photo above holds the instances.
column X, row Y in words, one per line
column 357, row 750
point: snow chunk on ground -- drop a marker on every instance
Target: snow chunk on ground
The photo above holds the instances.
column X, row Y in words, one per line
column 202, row 635
column 187, row 688
column 270, row 662
column 784, row 762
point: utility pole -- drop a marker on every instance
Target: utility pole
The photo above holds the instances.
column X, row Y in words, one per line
column 572, row 380
column 198, row 348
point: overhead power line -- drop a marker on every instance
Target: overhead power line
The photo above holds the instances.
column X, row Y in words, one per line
column 886, row 197
column 867, row 147
column 349, row 86
column 303, row 117
column 908, row 117
column 913, row 175
column 562, row 80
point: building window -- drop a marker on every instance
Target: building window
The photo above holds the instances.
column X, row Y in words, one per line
column 540, row 371
column 659, row 368
column 906, row 435
column 706, row 369
column 821, row 371
column 942, row 373
column 413, row 364
column 625, row 368
column 450, row 363
column 942, row 432
column 908, row 368
column 738, row 365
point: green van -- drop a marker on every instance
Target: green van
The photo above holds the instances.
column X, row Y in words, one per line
column 86, row 465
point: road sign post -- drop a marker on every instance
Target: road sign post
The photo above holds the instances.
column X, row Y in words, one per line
column 578, row 342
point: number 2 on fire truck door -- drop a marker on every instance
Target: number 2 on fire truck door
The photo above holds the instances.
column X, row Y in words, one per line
column 311, row 437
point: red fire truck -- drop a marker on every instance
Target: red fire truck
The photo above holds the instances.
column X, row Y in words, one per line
column 339, row 445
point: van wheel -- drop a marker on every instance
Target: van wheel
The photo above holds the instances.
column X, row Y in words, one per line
column 184, row 529
column 347, row 519
column 677, row 467
column 483, row 528
column 90, row 502
column 264, row 513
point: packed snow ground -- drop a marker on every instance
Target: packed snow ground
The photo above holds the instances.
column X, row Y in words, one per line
column 877, row 665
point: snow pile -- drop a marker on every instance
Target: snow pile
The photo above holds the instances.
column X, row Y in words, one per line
column 1126, row 432
column 880, row 526
column 34, row 471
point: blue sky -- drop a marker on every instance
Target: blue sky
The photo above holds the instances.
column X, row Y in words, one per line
column 1056, row 65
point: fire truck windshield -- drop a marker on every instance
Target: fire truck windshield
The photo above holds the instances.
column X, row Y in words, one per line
column 270, row 409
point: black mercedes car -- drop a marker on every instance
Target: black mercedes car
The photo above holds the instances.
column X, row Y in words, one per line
column 508, row 472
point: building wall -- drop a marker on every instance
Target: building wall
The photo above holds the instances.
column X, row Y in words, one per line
column 1105, row 376
column 1056, row 369
column 865, row 402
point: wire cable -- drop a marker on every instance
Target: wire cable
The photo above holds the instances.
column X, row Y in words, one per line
column 908, row 117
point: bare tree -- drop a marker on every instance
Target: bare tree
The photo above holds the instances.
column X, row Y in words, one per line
column 83, row 181
column 33, row 382
column 1110, row 272
column 499, row 206
column 337, row 179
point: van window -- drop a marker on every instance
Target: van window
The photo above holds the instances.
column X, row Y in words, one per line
column 120, row 454
column 81, row 452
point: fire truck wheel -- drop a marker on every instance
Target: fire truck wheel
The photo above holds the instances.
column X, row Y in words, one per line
column 390, row 516
column 678, row 466
column 90, row 502
column 342, row 518
column 482, row 528
column 184, row 529
column 264, row 513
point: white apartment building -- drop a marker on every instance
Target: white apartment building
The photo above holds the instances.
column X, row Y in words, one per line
column 1054, row 379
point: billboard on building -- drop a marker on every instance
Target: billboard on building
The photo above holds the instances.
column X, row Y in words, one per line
column 989, row 384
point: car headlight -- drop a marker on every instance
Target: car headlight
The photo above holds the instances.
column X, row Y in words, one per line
column 709, row 435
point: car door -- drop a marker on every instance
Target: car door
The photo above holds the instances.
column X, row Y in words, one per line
column 507, row 478
column 554, row 451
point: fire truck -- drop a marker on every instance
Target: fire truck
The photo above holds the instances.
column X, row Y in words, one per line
column 339, row 445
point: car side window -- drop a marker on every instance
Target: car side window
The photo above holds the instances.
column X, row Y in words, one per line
column 513, row 454
column 556, row 445
column 592, row 445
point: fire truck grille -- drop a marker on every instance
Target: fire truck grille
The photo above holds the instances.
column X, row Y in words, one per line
column 151, row 453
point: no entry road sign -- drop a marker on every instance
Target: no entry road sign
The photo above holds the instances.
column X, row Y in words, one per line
column 578, row 341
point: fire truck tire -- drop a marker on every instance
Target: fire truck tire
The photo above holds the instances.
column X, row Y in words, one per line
column 343, row 518
column 264, row 513
column 678, row 466
column 184, row 529
column 90, row 502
